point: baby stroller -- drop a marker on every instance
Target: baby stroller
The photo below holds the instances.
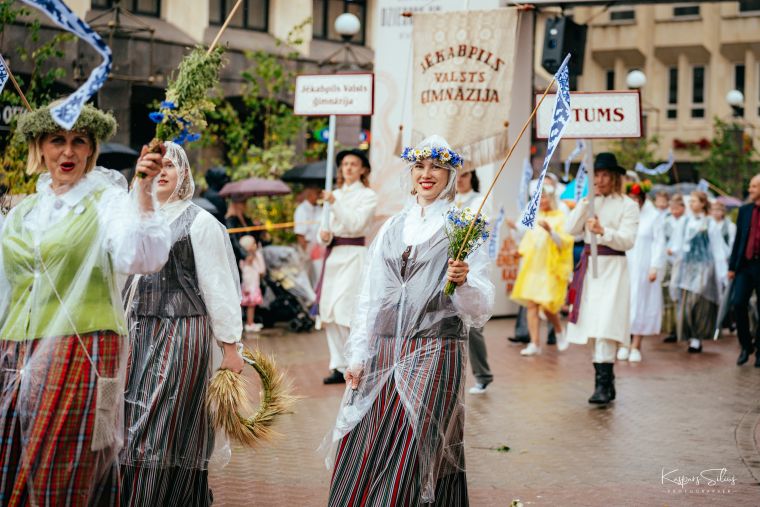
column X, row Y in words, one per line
column 286, row 290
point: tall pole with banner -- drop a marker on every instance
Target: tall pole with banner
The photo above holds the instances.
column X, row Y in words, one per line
column 333, row 95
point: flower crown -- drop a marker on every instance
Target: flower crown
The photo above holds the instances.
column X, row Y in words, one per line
column 637, row 188
column 443, row 156
column 99, row 124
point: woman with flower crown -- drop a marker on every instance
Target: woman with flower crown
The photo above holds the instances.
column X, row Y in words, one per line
column 400, row 425
column 646, row 265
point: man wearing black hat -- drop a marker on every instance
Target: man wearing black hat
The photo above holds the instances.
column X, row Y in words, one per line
column 351, row 211
column 601, row 304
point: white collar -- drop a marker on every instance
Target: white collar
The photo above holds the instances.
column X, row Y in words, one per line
column 353, row 186
column 70, row 197
column 437, row 208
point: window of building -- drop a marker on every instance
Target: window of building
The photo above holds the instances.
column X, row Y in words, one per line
column 609, row 76
column 251, row 15
column 749, row 6
column 325, row 12
column 622, row 14
column 672, row 110
column 698, row 91
column 739, row 73
column 143, row 7
column 685, row 11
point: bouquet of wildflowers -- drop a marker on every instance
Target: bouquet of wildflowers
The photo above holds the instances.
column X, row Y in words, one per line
column 462, row 240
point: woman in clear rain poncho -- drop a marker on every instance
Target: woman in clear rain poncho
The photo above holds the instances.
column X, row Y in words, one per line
column 400, row 425
column 62, row 329
column 175, row 315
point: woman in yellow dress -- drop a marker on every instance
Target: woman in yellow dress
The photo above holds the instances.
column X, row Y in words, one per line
column 546, row 263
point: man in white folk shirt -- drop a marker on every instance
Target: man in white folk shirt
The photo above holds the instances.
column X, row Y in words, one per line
column 468, row 196
column 601, row 304
column 307, row 217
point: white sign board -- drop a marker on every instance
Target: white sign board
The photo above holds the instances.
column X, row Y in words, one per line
column 595, row 115
column 338, row 94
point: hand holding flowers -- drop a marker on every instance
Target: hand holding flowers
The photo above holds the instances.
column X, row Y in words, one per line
column 466, row 232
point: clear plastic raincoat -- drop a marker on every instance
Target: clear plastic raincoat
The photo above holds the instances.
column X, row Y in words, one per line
column 62, row 347
column 176, row 317
column 399, row 435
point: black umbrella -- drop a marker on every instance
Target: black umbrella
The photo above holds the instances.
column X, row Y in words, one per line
column 205, row 204
column 311, row 173
column 117, row 156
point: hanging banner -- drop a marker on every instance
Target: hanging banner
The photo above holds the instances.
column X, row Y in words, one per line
column 463, row 68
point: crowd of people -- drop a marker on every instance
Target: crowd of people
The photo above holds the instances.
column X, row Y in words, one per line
column 119, row 303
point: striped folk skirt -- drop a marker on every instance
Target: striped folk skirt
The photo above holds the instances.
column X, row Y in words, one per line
column 169, row 437
column 47, row 415
column 697, row 316
column 383, row 460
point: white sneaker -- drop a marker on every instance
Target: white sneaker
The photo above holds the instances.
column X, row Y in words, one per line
column 562, row 343
column 253, row 328
column 530, row 350
column 635, row 356
column 622, row 354
column 478, row 389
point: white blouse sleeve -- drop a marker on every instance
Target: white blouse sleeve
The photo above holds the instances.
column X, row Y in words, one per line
column 623, row 236
column 659, row 251
column 355, row 219
column 218, row 277
column 139, row 243
column 474, row 299
column 576, row 222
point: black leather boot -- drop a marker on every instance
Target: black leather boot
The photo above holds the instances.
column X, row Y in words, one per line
column 601, row 394
column 611, row 379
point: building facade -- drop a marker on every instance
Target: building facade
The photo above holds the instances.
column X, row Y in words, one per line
column 692, row 55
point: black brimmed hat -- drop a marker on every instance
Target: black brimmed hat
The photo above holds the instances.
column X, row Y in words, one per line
column 607, row 162
column 355, row 152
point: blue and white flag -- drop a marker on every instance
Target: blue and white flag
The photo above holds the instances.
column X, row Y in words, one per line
column 66, row 113
column 703, row 186
column 524, row 190
column 580, row 180
column 659, row 169
column 580, row 145
column 3, row 74
column 560, row 119
column 493, row 242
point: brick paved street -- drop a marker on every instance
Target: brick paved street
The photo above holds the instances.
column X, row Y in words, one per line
column 675, row 412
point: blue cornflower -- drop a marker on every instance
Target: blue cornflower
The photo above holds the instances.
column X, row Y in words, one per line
column 192, row 137
column 156, row 117
column 168, row 104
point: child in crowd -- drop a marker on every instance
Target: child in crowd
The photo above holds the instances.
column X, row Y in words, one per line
column 252, row 269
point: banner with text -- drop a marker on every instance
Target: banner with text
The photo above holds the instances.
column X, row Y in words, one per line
column 595, row 115
column 463, row 69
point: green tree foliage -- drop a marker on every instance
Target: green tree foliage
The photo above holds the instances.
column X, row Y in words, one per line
column 630, row 151
column 44, row 58
column 261, row 143
column 732, row 159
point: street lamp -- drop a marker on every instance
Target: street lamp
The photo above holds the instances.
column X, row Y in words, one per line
column 735, row 99
column 636, row 79
column 347, row 25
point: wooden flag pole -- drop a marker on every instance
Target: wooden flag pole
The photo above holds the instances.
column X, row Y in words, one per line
column 15, row 84
column 224, row 27
column 503, row 165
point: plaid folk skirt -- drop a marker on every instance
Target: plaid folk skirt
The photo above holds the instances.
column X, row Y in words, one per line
column 380, row 462
column 47, row 415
